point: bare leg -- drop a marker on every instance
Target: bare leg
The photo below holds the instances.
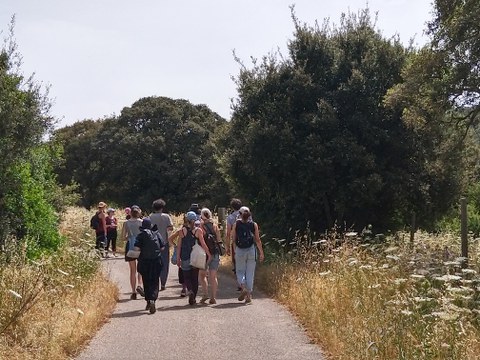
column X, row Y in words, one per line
column 213, row 283
column 202, row 277
column 133, row 272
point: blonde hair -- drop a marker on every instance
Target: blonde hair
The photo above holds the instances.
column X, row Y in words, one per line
column 206, row 213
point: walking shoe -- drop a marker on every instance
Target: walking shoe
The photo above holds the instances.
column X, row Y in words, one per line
column 148, row 305
column 191, row 298
column 140, row 291
column 152, row 307
column 242, row 295
column 133, row 296
column 204, row 299
column 248, row 299
column 162, row 288
column 183, row 293
column 212, row 301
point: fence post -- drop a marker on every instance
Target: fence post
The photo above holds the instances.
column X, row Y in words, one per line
column 413, row 226
column 222, row 215
column 464, row 232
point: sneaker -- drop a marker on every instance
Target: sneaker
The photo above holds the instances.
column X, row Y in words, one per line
column 212, row 301
column 163, row 288
column 148, row 305
column 133, row 296
column 140, row 291
column 183, row 293
column 242, row 296
column 204, row 299
column 152, row 307
column 248, row 299
column 191, row 298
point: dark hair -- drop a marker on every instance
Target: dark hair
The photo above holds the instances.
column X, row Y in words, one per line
column 158, row 204
column 236, row 204
column 195, row 208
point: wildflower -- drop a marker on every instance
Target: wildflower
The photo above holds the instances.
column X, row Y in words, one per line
column 14, row 293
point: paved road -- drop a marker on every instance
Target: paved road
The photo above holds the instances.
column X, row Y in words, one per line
column 228, row 330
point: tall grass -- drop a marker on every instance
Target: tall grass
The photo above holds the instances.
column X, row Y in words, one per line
column 382, row 301
column 51, row 306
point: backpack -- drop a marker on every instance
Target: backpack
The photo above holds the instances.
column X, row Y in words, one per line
column 244, row 234
column 210, row 237
column 151, row 244
column 95, row 221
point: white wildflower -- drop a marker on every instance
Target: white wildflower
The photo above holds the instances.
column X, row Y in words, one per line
column 14, row 293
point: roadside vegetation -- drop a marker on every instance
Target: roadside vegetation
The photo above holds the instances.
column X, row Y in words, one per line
column 52, row 305
column 389, row 300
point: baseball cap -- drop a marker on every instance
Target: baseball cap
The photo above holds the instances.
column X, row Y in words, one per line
column 244, row 209
column 191, row 216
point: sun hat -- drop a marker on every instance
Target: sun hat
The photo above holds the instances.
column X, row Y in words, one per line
column 244, row 209
column 146, row 224
column 102, row 205
column 206, row 213
column 191, row 216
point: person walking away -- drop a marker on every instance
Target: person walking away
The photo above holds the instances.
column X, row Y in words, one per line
column 151, row 245
column 171, row 240
column 235, row 204
column 112, row 224
column 246, row 235
column 164, row 225
column 130, row 230
column 211, row 235
column 100, row 227
column 187, row 238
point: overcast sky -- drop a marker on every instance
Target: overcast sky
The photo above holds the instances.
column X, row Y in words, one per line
column 100, row 56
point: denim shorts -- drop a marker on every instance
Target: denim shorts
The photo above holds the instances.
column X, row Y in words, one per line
column 186, row 265
column 215, row 263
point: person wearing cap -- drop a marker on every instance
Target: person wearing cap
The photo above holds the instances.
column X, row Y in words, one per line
column 211, row 235
column 112, row 223
column 164, row 225
column 246, row 235
column 130, row 230
column 187, row 239
column 151, row 244
column 101, row 230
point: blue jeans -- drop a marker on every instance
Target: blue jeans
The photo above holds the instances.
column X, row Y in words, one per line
column 245, row 266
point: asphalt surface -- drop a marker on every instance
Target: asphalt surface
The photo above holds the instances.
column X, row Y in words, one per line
column 228, row 330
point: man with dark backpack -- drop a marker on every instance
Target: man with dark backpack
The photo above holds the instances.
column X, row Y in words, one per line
column 151, row 244
column 245, row 234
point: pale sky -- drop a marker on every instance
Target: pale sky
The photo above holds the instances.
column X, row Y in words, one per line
column 100, row 56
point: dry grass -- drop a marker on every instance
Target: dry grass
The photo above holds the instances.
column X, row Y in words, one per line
column 50, row 308
column 380, row 301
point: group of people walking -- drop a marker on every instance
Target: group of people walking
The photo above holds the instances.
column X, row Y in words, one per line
column 149, row 239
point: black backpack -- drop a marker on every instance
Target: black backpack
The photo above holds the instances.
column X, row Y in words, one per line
column 210, row 237
column 245, row 234
column 151, row 244
column 95, row 221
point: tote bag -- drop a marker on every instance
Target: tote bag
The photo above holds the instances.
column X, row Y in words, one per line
column 198, row 257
